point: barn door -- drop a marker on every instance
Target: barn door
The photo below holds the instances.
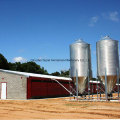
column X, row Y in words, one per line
column 3, row 90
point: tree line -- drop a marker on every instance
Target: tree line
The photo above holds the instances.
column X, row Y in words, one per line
column 30, row 67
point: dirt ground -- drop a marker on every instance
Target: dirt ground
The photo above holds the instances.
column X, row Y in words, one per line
column 58, row 108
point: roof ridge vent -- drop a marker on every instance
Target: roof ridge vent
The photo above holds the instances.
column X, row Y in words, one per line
column 80, row 41
column 107, row 37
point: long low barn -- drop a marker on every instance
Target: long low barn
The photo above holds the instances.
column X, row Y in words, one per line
column 22, row 85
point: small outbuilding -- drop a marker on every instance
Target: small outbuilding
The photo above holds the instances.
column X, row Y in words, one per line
column 23, row 85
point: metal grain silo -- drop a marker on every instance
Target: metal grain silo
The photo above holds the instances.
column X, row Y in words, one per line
column 107, row 61
column 80, row 61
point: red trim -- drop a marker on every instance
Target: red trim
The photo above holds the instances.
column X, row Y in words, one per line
column 51, row 89
column 29, row 85
column 1, row 89
column 28, row 88
column 40, row 78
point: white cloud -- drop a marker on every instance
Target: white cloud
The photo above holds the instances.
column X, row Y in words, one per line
column 19, row 59
column 114, row 16
column 93, row 21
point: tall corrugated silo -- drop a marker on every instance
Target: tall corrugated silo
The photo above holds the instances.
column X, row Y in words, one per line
column 80, row 62
column 107, row 61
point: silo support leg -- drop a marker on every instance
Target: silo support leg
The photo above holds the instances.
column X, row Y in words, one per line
column 118, row 81
column 106, row 95
column 77, row 84
column 97, row 89
column 88, row 85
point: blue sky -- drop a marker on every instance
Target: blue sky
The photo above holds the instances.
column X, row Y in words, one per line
column 32, row 29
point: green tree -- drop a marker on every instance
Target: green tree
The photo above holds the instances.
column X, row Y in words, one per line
column 55, row 74
column 33, row 68
column 64, row 73
column 15, row 66
column 94, row 79
column 3, row 62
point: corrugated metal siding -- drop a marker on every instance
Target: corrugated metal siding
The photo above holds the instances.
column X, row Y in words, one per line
column 38, row 88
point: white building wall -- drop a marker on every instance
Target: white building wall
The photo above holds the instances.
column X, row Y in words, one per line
column 16, row 85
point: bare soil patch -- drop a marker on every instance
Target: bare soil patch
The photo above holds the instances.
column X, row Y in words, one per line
column 58, row 108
